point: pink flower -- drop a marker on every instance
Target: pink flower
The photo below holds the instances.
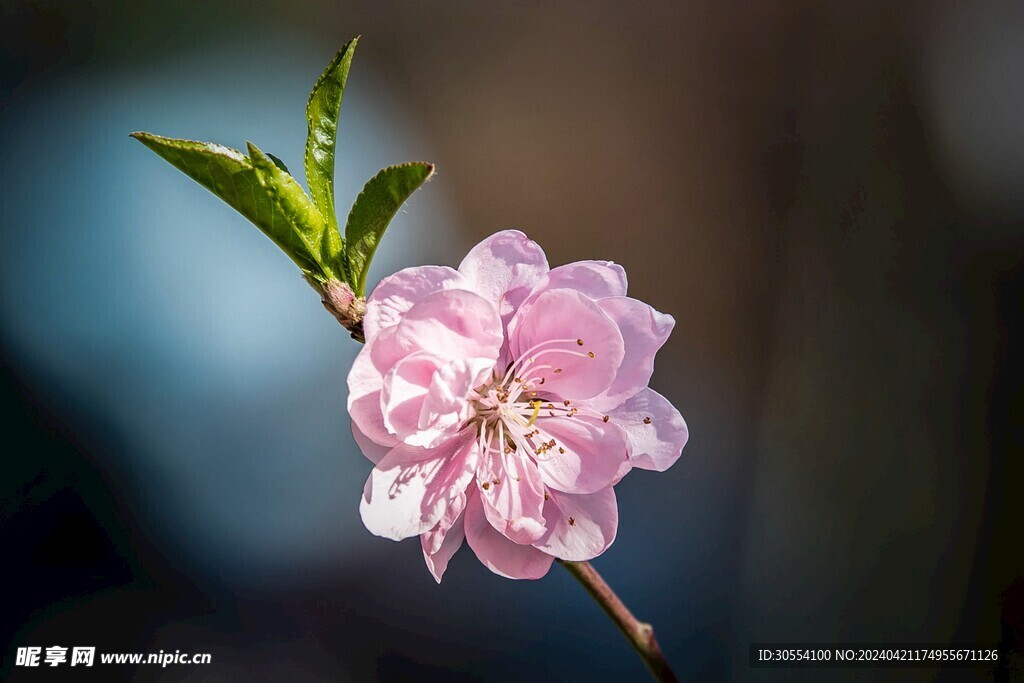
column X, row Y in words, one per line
column 501, row 402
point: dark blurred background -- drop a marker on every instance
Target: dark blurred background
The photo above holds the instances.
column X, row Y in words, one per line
column 829, row 198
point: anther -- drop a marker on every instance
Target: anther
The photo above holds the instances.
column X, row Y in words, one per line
column 486, row 485
column 590, row 354
column 572, row 521
column 605, row 418
column 579, row 342
column 647, row 420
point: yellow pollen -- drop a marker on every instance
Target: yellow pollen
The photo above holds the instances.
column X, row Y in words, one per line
column 486, row 485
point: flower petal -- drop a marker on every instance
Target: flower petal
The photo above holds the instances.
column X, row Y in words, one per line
column 373, row 451
column 497, row 553
column 593, row 458
column 504, row 268
column 596, row 279
column 411, row 488
column 513, row 496
column 425, row 398
column 579, row 527
column 364, row 388
column 405, row 387
column 396, row 294
column 567, row 343
column 450, row 324
column 657, row 444
column 644, row 331
column 449, row 387
column 441, row 542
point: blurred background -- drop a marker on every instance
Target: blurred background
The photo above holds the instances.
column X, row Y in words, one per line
column 829, row 198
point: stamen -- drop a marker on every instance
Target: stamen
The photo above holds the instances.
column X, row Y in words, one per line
column 536, row 412
column 525, row 356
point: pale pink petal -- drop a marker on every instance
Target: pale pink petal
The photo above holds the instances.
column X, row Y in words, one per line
column 425, row 398
column 513, row 496
column 451, row 384
column 567, row 343
column 364, row 389
column 370, row 448
column 433, row 539
column 579, row 527
column 587, row 456
column 405, row 387
column 497, row 553
column 644, row 331
column 504, row 268
column 450, row 324
column 396, row 294
column 410, row 489
column 441, row 542
column 657, row 444
column 596, row 279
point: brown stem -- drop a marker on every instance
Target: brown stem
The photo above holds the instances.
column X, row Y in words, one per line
column 639, row 634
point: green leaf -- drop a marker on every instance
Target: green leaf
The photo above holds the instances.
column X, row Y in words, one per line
column 322, row 112
column 373, row 210
column 260, row 191
column 278, row 162
column 301, row 218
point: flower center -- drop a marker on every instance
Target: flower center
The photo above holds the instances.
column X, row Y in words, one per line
column 506, row 407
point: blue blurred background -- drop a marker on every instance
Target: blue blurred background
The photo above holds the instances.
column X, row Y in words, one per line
column 829, row 197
